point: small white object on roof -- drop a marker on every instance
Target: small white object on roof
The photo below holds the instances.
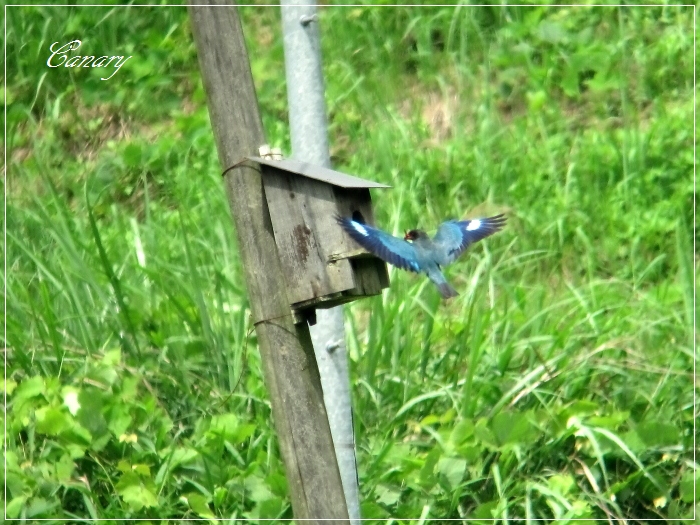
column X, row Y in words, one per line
column 270, row 153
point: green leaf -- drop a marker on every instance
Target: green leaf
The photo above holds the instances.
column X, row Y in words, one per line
column 658, row 433
column 430, row 419
column 52, row 421
column 485, row 511
column 633, row 441
column 40, row 507
column 448, row 416
column 183, row 455
column 14, row 507
column 75, row 451
column 453, row 470
column 370, row 510
column 602, row 83
column 387, row 496
column 426, row 476
column 580, row 509
column 11, row 460
column 689, row 492
column 77, row 439
column 551, row 32
column 118, row 419
column 90, row 414
column 512, row 427
column 462, row 431
column 220, row 494
column 582, row 407
column 112, row 357
column 224, row 425
column 141, row 469
column 278, row 484
column 9, row 95
column 570, row 82
column 129, row 389
column 561, row 483
column 610, row 421
column 257, row 489
column 9, row 386
column 199, row 504
column 136, row 492
column 243, row 432
column 270, row 508
column 64, row 468
column 173, row 459
column 470, row 452
column 536, row 100
column 132, row 155
column 29, row 388
column 137, row 497
column 104, row 375
column 483, row 433
column 17, row 483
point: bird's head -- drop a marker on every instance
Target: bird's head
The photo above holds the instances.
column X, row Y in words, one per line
column 414, row 235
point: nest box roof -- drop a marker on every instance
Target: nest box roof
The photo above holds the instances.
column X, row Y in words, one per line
column 313, row 171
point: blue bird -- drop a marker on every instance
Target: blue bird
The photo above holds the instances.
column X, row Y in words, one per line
column 423, row 254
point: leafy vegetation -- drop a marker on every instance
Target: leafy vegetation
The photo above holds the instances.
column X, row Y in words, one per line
column 558, row 385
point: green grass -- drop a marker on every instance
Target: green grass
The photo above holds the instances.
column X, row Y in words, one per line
column 559, row 384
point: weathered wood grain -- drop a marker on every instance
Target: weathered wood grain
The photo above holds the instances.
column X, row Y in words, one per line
column 302, row 212
column 291, row 373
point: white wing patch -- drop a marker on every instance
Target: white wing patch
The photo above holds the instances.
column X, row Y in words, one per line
column 360, row 229
column 473, row 225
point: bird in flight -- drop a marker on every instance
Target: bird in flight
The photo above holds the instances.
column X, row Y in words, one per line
column 423, row 254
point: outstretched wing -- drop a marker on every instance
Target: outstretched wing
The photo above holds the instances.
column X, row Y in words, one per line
column 453, row 237
column 385, row 246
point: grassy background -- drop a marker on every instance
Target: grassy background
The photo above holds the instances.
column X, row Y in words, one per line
column 559, row 384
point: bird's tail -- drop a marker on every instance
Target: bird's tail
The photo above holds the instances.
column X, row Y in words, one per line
column 447, row 291
column 435, row 275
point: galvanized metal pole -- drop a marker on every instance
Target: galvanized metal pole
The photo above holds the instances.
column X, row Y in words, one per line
column 309, row 134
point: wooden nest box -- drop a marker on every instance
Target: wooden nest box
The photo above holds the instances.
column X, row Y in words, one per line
column 323, row 266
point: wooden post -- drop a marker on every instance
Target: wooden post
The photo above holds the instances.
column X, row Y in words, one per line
column 291, row 372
